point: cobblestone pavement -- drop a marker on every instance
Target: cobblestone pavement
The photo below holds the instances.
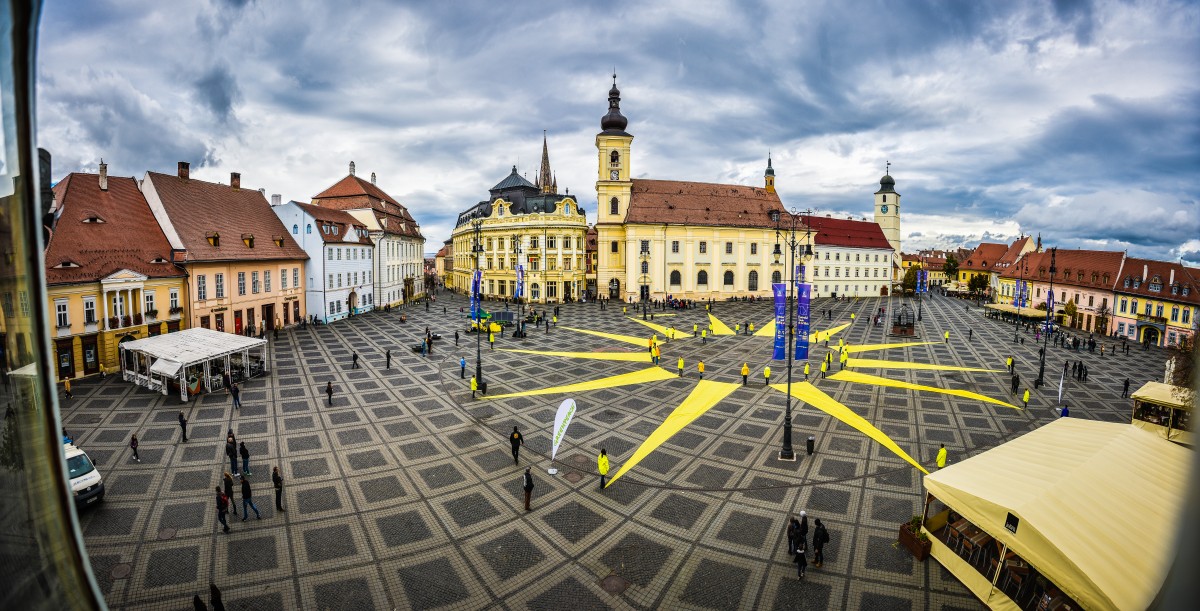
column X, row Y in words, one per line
column 403, row 493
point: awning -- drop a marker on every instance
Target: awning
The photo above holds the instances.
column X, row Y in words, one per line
column 1161, row 394
column 1098, row 504
column 166, row 367
column 1026, row 312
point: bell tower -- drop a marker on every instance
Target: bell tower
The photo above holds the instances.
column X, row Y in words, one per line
column 887, row 209
column 769, row 176
column 613, row 191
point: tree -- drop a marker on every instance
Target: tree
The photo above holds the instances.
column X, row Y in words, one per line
column 909, row 282
column 951, row 266
column 1102, row 319
column 978, row 283
column 1070, row 310
column 1183, row 372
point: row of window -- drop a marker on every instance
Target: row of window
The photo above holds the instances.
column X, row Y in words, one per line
column 336, row 307
column 552, row 242
column 255, row 285
column 534, row 263
column 702, row 245
column 351, row 278
column 62, row 312
column 502, row 288
column 352, row 254
column 1177, row 313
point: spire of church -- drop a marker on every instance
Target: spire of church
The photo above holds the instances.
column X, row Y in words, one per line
column 545, row 177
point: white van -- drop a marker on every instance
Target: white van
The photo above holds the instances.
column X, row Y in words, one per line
column 86, row 483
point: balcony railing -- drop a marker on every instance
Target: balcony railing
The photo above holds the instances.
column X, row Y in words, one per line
column 1158, row 320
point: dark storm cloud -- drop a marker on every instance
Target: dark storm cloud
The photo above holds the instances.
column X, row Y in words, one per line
column 217, row 89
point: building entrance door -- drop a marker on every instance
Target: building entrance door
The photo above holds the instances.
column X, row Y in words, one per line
column 614, row 289
column 268, row 315
column 65, row 348
column 91, row 355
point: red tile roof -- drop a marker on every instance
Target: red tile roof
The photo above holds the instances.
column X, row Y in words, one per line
column 344, row 222
column 591, row 238
column 1095, row 265
column 697, row 203
column 1142, row 273
column 983, row 257
column 98, row 233
column 829, row 231
column 1011, row 255
column 352, row 192
column 441, row 252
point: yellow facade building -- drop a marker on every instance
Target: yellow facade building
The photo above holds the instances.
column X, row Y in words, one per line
column 109, row 273
column 522, row 224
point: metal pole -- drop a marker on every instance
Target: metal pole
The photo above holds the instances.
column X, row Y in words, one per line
column 1041, row 379
column 786, row 453
column 477, row 250
column 1020, row 289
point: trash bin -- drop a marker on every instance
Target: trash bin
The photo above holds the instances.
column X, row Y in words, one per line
column 483, row 389
column 812, row 441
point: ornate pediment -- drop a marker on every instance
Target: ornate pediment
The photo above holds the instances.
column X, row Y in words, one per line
column 123, row 276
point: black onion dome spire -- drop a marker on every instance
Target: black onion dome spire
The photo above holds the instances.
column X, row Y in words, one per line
column 770, row 170
column 614, row 122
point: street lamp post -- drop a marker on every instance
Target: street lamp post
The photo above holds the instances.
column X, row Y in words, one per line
column 477, row 249
column 645, row 255
column 520, row 298
column 1020, row 299
column 788, row 236
column 1041, row 379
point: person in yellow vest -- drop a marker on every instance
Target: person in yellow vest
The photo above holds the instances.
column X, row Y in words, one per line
column 1009, row 362
column 737, row 329
column 947, row 336
column 491, row 340
column 707, row 308
column 824, row 368
column 1025, row 397
column 474, row 387
column 555, row 320
column 700, row 367
column 852, row 317
column 806, row 371
column 67, row 388
column 695, row 333
column 752, row 328
column 704, row 336
column 624, row 310
column 657, row 354
column 650, row 345
column 841, row 342
column 602, row 466
column 845, row 357
column 681, row 366
column 745, row 373
column 941, row 457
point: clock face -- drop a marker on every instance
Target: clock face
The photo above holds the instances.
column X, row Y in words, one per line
column 614, row 175
column 884, row 209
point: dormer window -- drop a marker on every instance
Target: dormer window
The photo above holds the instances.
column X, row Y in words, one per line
column 93, row 219
column 159, row 259
column 1137, row 283
column 1128, row 282
column 214, row 238
column 248, row 240
column 67, row 265
column 1175, row 289
column 279, row 241
column 1186, row 290
column 1156, row 284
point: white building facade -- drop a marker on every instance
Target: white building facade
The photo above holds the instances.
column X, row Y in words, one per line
column 341, row 265
column 850, row 258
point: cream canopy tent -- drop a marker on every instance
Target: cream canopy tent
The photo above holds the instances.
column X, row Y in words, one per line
column 1098, row 505
column 152, row 361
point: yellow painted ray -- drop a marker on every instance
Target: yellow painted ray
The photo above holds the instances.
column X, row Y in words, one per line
column 636, row 357
column 881, row 364
column 628, row 339
column 862, row 378
column 811, row 395
column 649, row 374
column 768, row 330
column 719, row 328
column 706, row 394
column 867, row 347
column 661, row 329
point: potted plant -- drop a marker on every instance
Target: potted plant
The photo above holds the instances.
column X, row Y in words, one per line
column 914, row 539
column 114, row 322
column 126, row 321
column 137, row 318
column 151, row 313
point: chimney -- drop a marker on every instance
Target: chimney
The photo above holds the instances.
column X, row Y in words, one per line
column 276, row 199
column 352, row 168
column 184, row 169
column 1145, row 272
column 372, row 177
column 103, row 175
column 235, row 180
column 1171, row 282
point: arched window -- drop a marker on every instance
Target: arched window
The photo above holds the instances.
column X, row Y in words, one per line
column 728, row 278
column 645, row 267
column 535, row 291
column 702, row 278
column 753, row 284
column 295, row 230
column 676, row 278
column 614, row 158
column 776, row 278
column 308, row 228
column 612, row 206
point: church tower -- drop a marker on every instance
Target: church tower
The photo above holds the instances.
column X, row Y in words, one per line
column 613, row 189
column 769, row 176
column 546, row 178
column 887, row 210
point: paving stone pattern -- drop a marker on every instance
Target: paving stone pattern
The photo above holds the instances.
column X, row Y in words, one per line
column 403, row 494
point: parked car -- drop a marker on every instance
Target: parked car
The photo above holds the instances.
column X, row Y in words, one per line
column 86, row 483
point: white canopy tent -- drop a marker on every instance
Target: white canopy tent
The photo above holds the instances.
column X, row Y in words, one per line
column 154, row 361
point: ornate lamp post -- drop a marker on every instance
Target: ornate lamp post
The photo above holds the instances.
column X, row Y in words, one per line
column 516, row 240
column 1041, row 379
column 1020, row 299
column 787, row 234
column 477, row 250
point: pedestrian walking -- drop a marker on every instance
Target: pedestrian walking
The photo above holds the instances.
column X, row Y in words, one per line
column 695, row 332
column 517, row 441
column 231, row 451
column 329, row 391
column 491, row 340
column 527, row 485
column 236, row 393
column 67, row 388
column 801, row 564
column 767, row 375
column 802, row 534
column 183, row 426
column 745, row 372
column 681, row 366
column 820, row 538
column 474, row 387
column 1125, row 389
column 354, row 360
column 214, row 597
column 388, row 359
column 970, row 334
column 1016, row 383
column 222, row 508
column 226, row 381
column 807, row 370
column 1064, row 412
column 462, row 368
column 824, row 368
column 792, row 526
column 941, row 456
column 245, row 459
column 1025, row 397
column 133, row 444
column 277, row 479
column 1010, row 364
column 704, row 336
column 602, row 466
column 700, row 367
column 947, row 336
column 227, row 480
column 248, row 500
column 198, row 604
column 456, row 337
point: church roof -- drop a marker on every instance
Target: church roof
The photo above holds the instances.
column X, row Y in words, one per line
column 696, row 203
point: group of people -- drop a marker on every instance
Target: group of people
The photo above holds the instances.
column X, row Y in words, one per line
column 797, row 537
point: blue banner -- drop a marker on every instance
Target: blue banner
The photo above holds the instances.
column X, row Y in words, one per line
column 780, row 290
column 520, row 281
column 476, row 281
column 1016, row 295
column 802, row 322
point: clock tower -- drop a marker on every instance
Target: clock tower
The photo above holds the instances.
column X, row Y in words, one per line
column 613, row 188
column 887, row 210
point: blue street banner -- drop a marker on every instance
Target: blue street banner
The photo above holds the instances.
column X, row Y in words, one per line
column 520, row 281
column 802, row 302
column 780, row 291
column 1017, row 295
column 476, row 281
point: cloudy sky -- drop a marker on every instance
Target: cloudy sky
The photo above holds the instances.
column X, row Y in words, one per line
column 1077, row 119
